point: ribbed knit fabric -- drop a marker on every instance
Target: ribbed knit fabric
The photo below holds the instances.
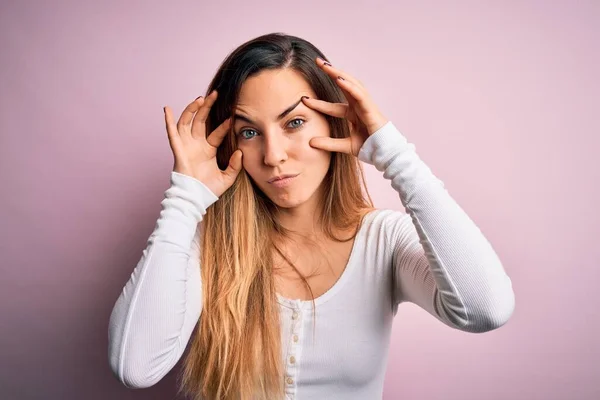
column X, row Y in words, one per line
column 433, row 256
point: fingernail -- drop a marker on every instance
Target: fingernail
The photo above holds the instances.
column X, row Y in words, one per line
column 305, row 97
column 326, row 63
column 339, row 77
column 197, row 98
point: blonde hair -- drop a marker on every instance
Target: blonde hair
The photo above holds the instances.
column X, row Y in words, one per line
column 236, row 350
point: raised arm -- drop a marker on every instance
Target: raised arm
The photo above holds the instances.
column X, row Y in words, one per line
column 154, row 316
column 156, row 312
column 442, row 262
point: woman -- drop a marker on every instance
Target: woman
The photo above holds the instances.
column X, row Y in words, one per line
column 293, row 283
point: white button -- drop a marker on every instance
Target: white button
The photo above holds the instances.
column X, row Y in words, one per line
column 289, row 381
column 295, row 338
column 294, row 315
column 292, row 360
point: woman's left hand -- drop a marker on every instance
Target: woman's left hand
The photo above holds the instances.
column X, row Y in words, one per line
column 361, row 112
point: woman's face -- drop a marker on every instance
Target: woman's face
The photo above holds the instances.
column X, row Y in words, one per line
column 275, row 144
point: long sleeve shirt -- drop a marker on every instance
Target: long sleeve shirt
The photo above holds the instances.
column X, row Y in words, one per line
column 432, row 255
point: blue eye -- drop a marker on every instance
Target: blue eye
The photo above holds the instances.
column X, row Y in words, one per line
column 297, row 126
column 294, row 127
column 245, row 130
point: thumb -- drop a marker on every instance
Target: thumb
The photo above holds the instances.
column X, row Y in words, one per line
column 235, row 165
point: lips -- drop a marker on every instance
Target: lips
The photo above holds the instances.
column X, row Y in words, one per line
column 277, row 178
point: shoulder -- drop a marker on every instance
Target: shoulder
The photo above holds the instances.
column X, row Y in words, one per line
column 385, row 217
column 382, row 221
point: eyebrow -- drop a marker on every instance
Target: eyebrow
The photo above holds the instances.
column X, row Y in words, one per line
column 279, row 117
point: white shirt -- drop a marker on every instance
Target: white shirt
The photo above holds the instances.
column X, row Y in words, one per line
column 433, row 256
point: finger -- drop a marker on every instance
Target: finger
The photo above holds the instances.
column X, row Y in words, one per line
column 188, row 113
column 339, row 110
column 216, row 137
column 334, row 72
column 172, row 133
column 170, row 124
column 357, row 93
column 343, row 145
column 205, row 109
column 234, row 167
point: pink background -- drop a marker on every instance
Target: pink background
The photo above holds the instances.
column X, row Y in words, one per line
column 500, row 98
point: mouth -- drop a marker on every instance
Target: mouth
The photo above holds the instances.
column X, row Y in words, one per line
column 283, row 181
column 282, row 177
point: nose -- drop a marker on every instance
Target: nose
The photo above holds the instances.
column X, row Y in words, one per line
column 275, row 148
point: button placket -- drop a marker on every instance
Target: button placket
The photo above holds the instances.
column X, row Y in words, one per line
column 295, row 329
column 291, row 361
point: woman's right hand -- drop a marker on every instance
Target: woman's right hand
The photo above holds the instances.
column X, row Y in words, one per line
column 195, row 154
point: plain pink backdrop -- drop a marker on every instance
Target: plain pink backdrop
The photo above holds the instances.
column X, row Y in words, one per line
column 500, row 98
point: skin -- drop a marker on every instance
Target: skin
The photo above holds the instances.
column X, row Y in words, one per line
column 273, row 147
column 301, row 141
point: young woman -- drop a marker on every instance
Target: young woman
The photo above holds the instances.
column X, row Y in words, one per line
column 267, row 248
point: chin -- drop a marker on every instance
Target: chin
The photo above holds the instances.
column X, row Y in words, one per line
column 287, row 200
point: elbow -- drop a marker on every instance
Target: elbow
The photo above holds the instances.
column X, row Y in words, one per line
column 131, row 376
column 492, row 321
column 139, row 368
column 505, row 311
column 132, row 380
column 479, row 314
column 131, row 366
column 493, row 316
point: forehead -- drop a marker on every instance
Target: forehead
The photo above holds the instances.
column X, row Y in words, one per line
column 266, row 93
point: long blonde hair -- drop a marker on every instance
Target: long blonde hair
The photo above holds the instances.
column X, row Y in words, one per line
column 235, row 352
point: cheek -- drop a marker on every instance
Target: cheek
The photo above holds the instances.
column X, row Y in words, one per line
column 252, row 165
column 302, row 140
column 324, row 159
column 249, row 158
column 313, row 154
column 316, row 160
